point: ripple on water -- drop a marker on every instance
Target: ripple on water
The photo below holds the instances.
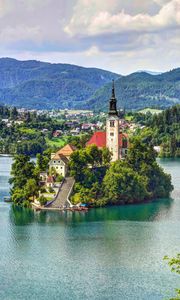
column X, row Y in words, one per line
column 108, row 253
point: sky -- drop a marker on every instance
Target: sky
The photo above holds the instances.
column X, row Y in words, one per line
column 117, row 35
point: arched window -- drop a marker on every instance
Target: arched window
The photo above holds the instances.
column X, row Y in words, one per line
column 111, row 123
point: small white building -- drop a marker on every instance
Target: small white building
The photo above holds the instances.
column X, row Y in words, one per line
column 60, row 164
column 59, row 160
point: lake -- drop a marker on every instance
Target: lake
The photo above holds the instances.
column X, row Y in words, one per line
column 107, row 253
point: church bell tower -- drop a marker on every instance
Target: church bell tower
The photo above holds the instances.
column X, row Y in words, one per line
column 112, row 127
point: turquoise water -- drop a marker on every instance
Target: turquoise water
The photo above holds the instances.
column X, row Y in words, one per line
column 108, row 253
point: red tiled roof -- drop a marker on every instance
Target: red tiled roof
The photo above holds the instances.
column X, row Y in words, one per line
column 50, row 179
column 66, row 150
column 99, row 139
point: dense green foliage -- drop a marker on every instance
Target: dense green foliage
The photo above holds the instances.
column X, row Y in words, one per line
column 140, row 90
column 42, row 200
column 40, row 85
column 123, row 185
column 174, row 263
column 163, row 129
column 18, row 138
column 24, row 180
column 88, row 166
column 43, row 160
column 135, row 179
column 138, row 178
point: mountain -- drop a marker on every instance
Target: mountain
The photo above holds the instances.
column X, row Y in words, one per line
column 41, row 85
column 140, row 90
column 149, row 72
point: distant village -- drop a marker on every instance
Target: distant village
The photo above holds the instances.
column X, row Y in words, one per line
column 75, row 121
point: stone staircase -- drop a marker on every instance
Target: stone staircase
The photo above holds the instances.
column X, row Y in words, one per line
column 62, row 198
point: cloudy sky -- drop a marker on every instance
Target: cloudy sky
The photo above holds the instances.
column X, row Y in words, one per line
column 118, row 35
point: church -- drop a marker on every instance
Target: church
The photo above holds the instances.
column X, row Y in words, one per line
column 113, row 138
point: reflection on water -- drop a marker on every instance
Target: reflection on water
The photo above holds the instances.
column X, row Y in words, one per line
column 107, row 253
column 142, row 212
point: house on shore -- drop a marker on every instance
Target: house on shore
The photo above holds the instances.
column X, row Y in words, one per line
column 59, row 160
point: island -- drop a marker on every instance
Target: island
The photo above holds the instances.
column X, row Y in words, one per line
column 112, row 168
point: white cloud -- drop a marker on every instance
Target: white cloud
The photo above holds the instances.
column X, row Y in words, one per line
column 30, row 20
column 5, row 6
column 93, row 51
column 90, row 22
column 118, row 35
column 161, row 2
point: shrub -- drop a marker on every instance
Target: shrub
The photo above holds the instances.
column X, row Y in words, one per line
column 59, row 178
column 51, row 190
column 43, row 190
column 42, row 200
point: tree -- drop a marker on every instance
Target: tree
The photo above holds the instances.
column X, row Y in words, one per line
column 106, row 156
column 78, row 164
column 24, row 180
column 174, row 263
column 42, row 200
column 31, row 188
column 123, row 185
column 140, row 153
column 142, row 159
column 43, row 160
column 14, row 113
column 22, row 170
column 18, row 196
column 94, row 155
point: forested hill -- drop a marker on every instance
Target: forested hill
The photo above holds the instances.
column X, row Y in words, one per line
column 140, row 90
column 41, row 85
column 166, row 129
column 162, row 129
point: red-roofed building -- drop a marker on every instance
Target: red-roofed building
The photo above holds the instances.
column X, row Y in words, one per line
column 99, row 139
column 50, row 181
column 112, row 138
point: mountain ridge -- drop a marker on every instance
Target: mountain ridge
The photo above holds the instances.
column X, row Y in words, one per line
column 43, row 85
column 141, row 90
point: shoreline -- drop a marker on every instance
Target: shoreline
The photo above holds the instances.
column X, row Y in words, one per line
column 38, row 208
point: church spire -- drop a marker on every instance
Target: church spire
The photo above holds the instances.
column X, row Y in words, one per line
column 113, row 102
column 113, row 89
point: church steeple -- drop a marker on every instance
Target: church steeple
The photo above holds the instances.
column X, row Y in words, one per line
column 112, row 103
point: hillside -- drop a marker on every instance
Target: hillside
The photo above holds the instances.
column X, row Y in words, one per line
column 140, row 90
column 162, row 129
column 39, row 85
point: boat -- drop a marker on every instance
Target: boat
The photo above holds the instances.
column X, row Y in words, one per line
column 80, row 208
column 7, row 199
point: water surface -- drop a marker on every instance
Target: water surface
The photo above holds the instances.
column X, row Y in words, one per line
column 108, row 253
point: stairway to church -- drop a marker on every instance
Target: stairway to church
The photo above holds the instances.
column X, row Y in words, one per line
column 62, row 197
